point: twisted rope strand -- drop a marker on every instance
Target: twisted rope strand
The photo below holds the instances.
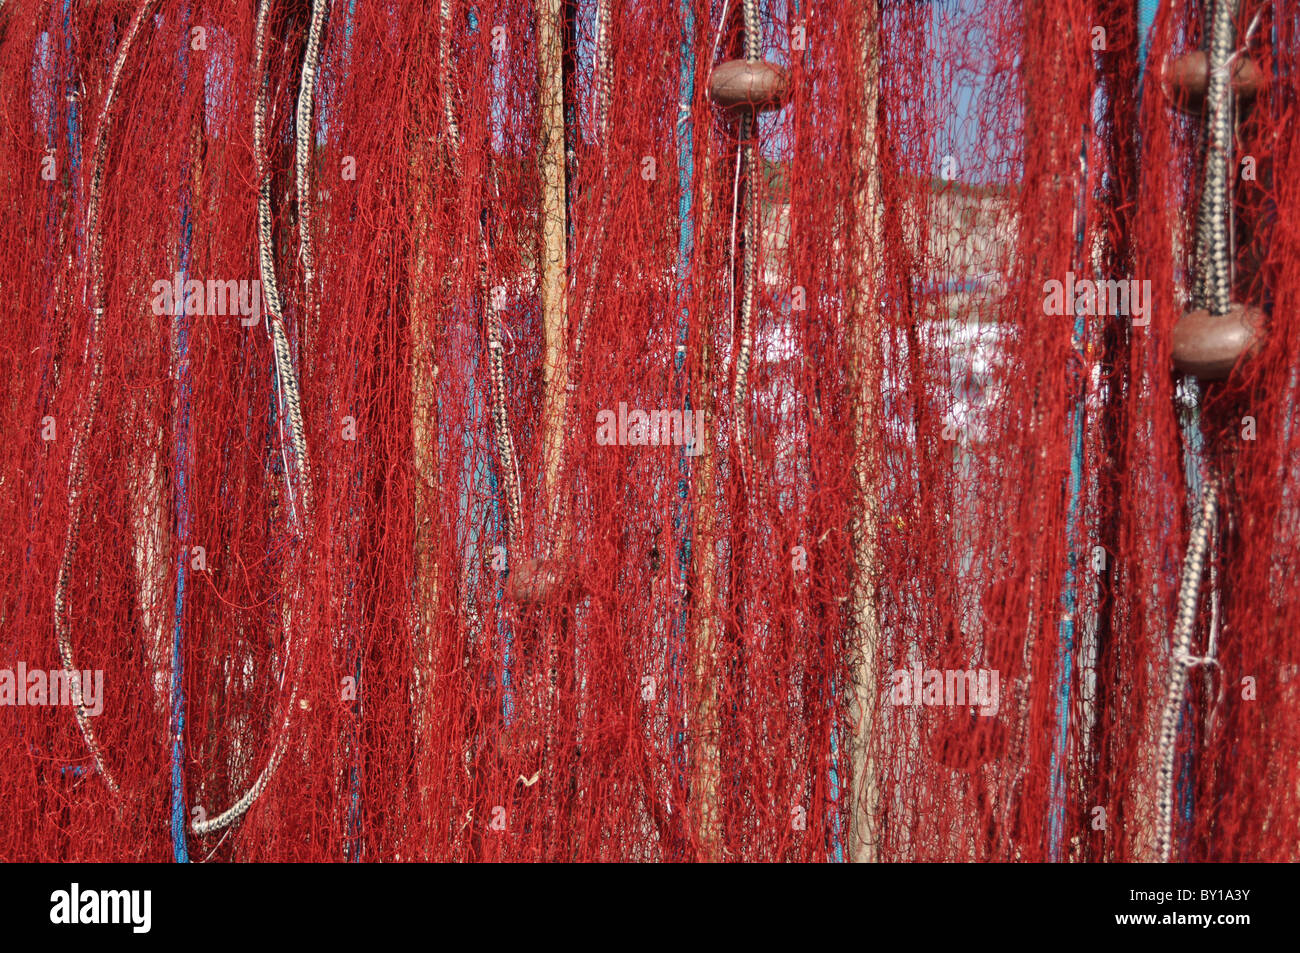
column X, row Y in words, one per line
column 303, row 143
column 604, row 73
column 1213, row 285
column 1181, row 661
column 266, row 257
column 507, row 461
column 753, row 228
column 444, row 78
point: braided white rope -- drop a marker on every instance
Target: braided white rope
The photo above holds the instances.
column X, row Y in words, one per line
column 1181, row 661
column 77, row 462
column 604, row 72
column 266, row 258
column 303, row 143
column 444, row 78
column 507, row 460
column 1212, row 251
column 753, row 229
column 1212, row 290
column 302, row 169
column 280, row 343
column 505, row 445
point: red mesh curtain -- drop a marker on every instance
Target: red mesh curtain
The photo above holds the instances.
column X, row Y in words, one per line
column 674, row 430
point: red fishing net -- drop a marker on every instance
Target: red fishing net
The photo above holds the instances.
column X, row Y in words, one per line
column 662, row 430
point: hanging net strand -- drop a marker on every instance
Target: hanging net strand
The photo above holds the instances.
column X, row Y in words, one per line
column 285, row 374
column 492, row 301
column 77, row 465
column 556, row 532
column 864, row 534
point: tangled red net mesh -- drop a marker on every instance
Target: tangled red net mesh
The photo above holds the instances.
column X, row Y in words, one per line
column 661, row 431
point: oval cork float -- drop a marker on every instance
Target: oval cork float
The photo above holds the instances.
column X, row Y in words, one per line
column 738, row 84
column 1187, row 77
column 539, row 582
column 1208, row 346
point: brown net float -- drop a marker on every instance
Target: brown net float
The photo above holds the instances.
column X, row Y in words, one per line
column 1187, row 77
column 740, row 85
column 537, row 582
column 1208, row 346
